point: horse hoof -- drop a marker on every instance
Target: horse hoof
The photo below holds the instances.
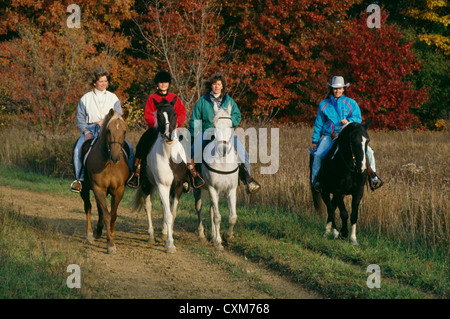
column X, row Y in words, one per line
column 97, row 234
column 164, row 237
column 152, row 240
column 90, row 238
column 202, row 239
column 112, row 250
column 228, row 238
column 219, row 248
column 171, row 250
column 335, row 234
column 354, row 242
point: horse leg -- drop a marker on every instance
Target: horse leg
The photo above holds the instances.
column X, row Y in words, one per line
column 176, row 198
column 100, row 197
column 115, row 200
column 164, row 195
column 228, row 235
column 198, row 208
column 356, row 199
column 331, row 219
column 100, row 224
column 344, row 216
column 85, row 195
column 215, row 219
column 148, row 210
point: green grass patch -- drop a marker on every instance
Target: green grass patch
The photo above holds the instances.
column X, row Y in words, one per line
column 291, row 243
column 33, row 262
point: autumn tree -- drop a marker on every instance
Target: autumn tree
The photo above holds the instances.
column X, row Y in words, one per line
column 379, row 64
column 281, row 44
column 185, row 38
column 425, row 22
column 45, row 64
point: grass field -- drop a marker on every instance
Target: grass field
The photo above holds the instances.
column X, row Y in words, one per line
column 403, row 227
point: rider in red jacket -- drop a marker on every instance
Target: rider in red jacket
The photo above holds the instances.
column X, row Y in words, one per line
column 162, row 81
column 150, row 108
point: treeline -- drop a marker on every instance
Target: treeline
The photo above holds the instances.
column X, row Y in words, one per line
column 277, row 55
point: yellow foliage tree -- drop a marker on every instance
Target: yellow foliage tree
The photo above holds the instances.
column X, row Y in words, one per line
column 432, row 11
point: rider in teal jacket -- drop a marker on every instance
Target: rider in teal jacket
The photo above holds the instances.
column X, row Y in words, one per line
column 331, row 113
column 334, row 112
column 203, row 113
column 202, row 118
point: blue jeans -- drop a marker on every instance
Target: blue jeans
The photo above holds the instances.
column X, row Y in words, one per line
column 325, row 144
column 77, row 160
column 242, row 153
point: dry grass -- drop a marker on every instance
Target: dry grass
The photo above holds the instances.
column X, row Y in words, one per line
column 412, row 206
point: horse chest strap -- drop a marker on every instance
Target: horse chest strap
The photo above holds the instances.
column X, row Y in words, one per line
column 219, row 172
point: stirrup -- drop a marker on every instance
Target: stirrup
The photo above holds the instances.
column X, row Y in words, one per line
column 374, row 186
column 202, row 181
column 133, row 177
column 252, row 186
column 74, row 183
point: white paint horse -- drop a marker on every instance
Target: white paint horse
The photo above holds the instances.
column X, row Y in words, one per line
column 166, row 171
column 220, row 172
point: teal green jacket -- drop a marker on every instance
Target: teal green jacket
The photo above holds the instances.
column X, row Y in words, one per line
column 204, row 111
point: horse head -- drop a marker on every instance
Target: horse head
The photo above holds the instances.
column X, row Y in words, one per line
column 223, row 132
column 353, row 141
column 166, row 119
column 112, row 137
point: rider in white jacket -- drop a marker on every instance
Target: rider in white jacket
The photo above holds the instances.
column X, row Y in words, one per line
column 92, row 109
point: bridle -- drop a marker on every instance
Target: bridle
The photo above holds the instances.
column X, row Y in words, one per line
column 226, row 143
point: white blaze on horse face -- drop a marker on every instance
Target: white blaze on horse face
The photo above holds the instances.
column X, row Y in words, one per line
column 363, row 162
column 166, row 118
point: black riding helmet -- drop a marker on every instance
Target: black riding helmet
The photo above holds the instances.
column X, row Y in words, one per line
column 162, row 76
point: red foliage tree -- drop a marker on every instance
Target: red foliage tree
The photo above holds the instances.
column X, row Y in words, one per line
column 379, row 63
column 281, row 52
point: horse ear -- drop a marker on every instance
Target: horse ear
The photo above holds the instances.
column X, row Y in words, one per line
column 111, row 112
column 125, row 114
column 368, row 123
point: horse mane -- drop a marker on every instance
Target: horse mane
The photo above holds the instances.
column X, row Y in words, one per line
column 112, row 115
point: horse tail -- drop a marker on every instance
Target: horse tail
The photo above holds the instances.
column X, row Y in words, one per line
column 138, row 200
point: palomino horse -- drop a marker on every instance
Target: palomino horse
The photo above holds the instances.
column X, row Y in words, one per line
column 106, row 173
column 344, row 172
column 220, row 172
column 166, row 171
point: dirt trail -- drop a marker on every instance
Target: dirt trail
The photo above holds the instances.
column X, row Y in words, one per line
column 140, row 270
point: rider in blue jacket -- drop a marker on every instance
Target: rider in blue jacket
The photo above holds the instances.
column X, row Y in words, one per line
column 334, row 112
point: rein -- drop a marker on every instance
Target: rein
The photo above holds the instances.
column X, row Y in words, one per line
column 351, row 168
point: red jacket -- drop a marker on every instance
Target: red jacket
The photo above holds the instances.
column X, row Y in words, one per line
column 150, row 109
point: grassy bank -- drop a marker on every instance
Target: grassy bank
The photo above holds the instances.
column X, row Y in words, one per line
column 403, row 226
column 33, row 259
column 289, row 242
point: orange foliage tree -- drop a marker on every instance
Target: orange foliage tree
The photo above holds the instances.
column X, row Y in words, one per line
column 45, row 65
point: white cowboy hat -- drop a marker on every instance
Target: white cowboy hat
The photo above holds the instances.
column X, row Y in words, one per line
column 338, row 82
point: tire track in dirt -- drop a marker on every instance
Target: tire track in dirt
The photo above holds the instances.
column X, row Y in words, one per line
column 141, row 270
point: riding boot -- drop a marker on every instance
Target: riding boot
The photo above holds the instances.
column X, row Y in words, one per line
column 134, row 180
column 251, row 185
column 197, row 180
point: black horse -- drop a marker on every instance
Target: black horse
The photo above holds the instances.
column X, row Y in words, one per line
column 344, row 172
